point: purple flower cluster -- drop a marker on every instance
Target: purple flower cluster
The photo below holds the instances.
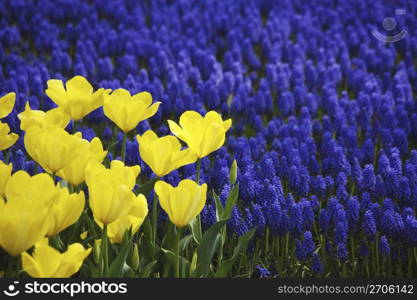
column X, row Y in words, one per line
column 324, row 114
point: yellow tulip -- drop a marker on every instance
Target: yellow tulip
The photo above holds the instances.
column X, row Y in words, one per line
column 65, row 210
column 74, row 171
column 126, row 111
column 163, row 155
column 110, row 190
column 203, row 135
column 182, row 203
column 50, row 146
column 55, row 116
column 5, row 173
column 46, row 262
column 25, row 216
column 7, row 139
column 132, row 221
column 77, row 99
column 7, row 104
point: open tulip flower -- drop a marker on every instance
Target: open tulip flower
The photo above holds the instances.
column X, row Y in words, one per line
column 50, row 146
column 84, row 151
column 127, row 110
column 77, row 98
column 203, row 135
column 56, row 116
column 110, row 190
column 131, row 221
column 163, row 154
column 25, row 214
column 182, row 203
column 46, row 262
column 6, row 104
column 65, row 210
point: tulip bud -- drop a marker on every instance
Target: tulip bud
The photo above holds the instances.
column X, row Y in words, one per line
column 134, row 259
column 96, row 251
column 193, row 265
column 233, row 172
column 84, row 235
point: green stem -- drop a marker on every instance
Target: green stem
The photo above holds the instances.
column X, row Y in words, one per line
column 177, row 253
column 71, row 188
column 287, row 238
column 6, row 156
column 35, row 168
column 389, row 266
column 197, row 171
column 74, row 126
column 377, row 255
column 104, row 258
column 410, row 264
column 344, row 272
column 415, row 254
column 267, row 240
column 12, row 270
column 367, row 267
column 57, row 242
column 124, row 146
column 154, row 218
column 197, row 178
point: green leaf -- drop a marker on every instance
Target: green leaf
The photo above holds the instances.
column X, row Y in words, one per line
column 170, row 259
column 116, row 268
column 110, row 148
column 146, row 245
column 146, row 271
column 127, row 271
column 169, row 239
column 147, row 186
column 185, row 241
column 207, row 249
column 219, row 207
column 241, row 246
column 231, row 202
column 196, row 230
column 233, row 173
column 89, row 269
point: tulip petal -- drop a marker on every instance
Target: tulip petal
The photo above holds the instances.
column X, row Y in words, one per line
column 176, row 130
column 6, row 104
column 163, row 189
column 80, row 85
column 56, row 91
column 151, row 111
